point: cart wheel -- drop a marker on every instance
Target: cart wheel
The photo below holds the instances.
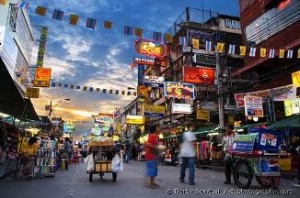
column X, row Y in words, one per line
column 114, row 176
column 91, row 177
column 243, row 174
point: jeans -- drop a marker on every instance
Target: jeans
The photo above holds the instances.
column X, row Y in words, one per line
column 187, row 161
column 228, row 167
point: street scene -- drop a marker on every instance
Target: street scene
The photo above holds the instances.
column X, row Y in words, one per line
column 144, row 98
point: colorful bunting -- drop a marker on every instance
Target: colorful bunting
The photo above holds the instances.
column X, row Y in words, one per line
column 272, row 53
column 77, row 87
column 195, row 43
column 168, row 38
column 220, row 47
column 231, row 49
column 107, row 24
column 138, row 32
column 290, row 54
column 98, row 89
column 84, row 88
column 72, row 86
column 263, row 52
column 208, row 45
column 41, row 10
column 128, row 30
column 66, row 85
column 157, row 36
column 91, row 89
column 281, row 53
column 242, row 50
column 73, row 19
column 58, row 15
column 91, row 23
column 21, row 5
column 252, row 51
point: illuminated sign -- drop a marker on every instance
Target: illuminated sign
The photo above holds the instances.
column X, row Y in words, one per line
column 150, row 48
column 179, row 90
column 253, row 106
column 296, row 78
column 199, row 75
column 42, row 77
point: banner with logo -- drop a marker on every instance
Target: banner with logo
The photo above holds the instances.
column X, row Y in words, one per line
column 253, row 106
column 154, row 111
column 199, row 75
column 179, row 90
column 243, row 143
column 154, row 81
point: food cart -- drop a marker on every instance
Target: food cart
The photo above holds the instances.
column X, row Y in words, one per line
column 256, row 154
column 103, row 153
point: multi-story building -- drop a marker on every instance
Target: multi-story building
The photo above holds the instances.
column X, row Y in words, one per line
column 16, row 42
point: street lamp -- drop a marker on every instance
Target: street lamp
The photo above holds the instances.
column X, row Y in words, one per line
column 50, row 107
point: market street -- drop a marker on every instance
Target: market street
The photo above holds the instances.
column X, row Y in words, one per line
column 130, row 183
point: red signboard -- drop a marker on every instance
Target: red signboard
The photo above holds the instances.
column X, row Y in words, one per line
column 150, row 48
column 199, row 75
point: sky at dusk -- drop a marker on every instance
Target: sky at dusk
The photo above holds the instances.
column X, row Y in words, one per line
column 101, row 58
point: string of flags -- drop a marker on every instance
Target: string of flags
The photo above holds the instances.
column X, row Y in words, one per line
column 168, row 38
column 92, row 89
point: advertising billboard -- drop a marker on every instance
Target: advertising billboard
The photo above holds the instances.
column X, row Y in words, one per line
column 199, row 75
column 179, row 90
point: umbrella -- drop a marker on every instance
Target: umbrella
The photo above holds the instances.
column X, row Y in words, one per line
column 291, row 122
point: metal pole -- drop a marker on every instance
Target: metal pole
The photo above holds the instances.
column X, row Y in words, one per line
column 220, row 93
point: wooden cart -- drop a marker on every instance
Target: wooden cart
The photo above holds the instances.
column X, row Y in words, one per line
column 103, row 154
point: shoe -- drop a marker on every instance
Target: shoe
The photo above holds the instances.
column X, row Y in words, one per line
column 296, row 185
column 181, row 180
column 192, row 183
column 227, row 182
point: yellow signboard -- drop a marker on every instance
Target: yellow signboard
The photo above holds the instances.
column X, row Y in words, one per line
column 203, row 115
column 296, row 78
column 135, row 119
column 155, row 109
column 32, row 92
column 42, row 77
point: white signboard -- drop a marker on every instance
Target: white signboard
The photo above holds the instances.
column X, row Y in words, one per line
column 181, row 108
column 253, row 106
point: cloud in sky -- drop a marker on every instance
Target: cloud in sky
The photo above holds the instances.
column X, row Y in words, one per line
column 102, row 58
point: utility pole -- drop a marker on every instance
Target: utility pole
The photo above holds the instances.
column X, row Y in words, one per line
column 219, row 91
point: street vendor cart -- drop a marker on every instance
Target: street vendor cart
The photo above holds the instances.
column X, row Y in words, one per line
column 103, row 153
column 256, row 154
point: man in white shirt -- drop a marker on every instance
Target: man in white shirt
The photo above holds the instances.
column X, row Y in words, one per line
column 187, row 154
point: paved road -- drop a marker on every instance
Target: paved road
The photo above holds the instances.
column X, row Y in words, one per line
column 130, row 183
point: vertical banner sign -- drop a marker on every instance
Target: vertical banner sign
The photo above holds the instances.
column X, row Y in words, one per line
column 253, row 106
column 41, row 51
column 141, row 69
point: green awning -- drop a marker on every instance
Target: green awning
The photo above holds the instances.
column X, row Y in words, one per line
column 291, row 122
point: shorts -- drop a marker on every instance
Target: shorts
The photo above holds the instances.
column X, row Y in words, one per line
column 151, row 167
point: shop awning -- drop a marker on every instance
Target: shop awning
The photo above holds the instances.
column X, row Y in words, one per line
column 291, row 122
column 11, row 100
column 205, row 130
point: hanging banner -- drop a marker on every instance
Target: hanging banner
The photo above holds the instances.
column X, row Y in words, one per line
column 135, row 119
column 253, row 106
column 42, row 45
column 199, row 75
column 42, row 77
column 181, row 108
column 154, row 111
column 154, row 81
column 203, row 115
column 150, row 48
column 278, row 94
column 296, row 78
column 32, row 92
column 179, row 90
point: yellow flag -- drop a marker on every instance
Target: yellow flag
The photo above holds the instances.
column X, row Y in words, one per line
column 298, row 55
column 242, row 50
column 107, row 24
column 138, row 32
column 3, row 2
column 41, row 10
column 73, row 19
column 168, row 38
column 195, row 43
column 263, row 52
column 220, row 47
column 281, row 53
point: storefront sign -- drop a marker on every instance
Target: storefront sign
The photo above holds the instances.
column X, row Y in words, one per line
column 296, row 78
column 291, row 107
column 253, row 106
column 278, row 94
column 143, row 61
column 32, row 92
column 181, row 108
column 42, row 77
column 199, row 75
column 42, row 45
column 179, row 90
column 154, row 81
column 150, row 48
column 154, row 111
column 243, row 143
column 203, row 115
column 135, row 119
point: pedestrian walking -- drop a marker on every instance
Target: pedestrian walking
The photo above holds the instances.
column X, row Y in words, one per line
column 228, row 161
column 187, row 154
column 151, row 157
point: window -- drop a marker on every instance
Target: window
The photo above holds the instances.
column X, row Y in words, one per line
column 13, row 17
